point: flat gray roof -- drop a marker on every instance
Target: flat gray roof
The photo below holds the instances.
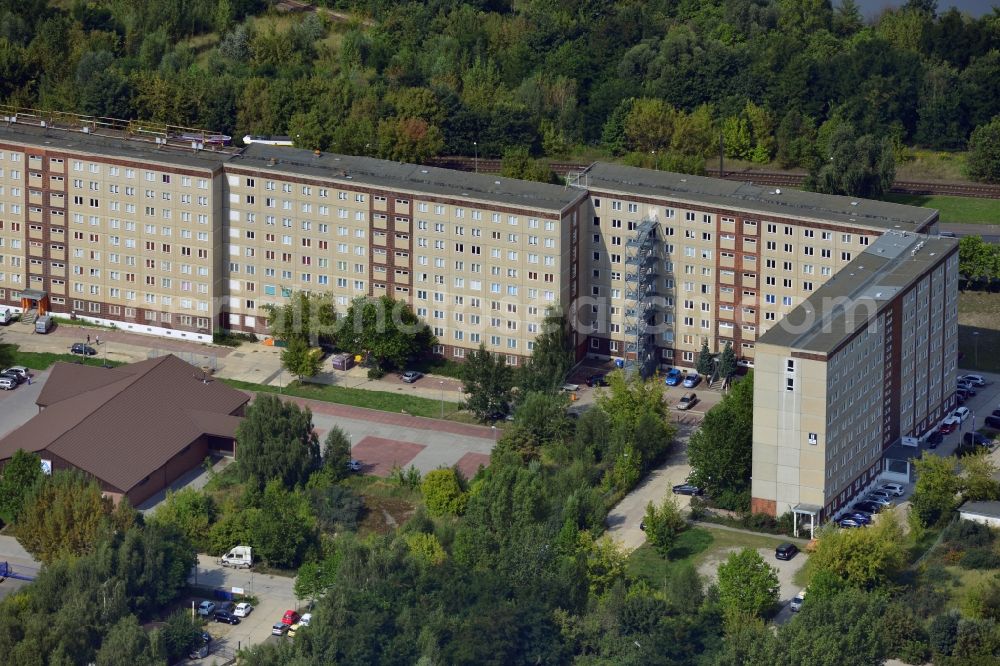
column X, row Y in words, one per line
column 990, row 509
column 756, row 199
column 111, row 146
column 842, row 306
column 408, row 177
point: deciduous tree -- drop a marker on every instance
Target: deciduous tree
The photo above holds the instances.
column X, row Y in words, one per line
column 276, row 440
column 748, row 586
column 857, row 166
column 551, row 358
column 443, row 493
column 64, row 515
column 191, row 511
column 19, row 477
column 663, row 524
column 307, row 316
column 983, row 162
column 488, row 380
column 384, row 329
column 864, row 558
column 720, row 450
column 935, row 492
column 979, row 477
column 300, row 359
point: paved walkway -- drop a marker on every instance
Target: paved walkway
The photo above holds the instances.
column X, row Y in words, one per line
column 624, row 519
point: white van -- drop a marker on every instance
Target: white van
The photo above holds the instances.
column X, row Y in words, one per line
column 6, row 316
column 43, row 324
column 796, row 604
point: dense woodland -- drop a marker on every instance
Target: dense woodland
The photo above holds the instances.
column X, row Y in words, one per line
column 407, row 80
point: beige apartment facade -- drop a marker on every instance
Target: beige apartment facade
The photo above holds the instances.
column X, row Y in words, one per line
column 734, row 258
column 115, row 232
column 866, row 361
column 182, row 243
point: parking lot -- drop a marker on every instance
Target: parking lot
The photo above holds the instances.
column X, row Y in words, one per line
column 275, row 595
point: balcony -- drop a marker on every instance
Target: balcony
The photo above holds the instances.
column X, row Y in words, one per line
column 401, row 226
column 380, row 222
column 402, row 243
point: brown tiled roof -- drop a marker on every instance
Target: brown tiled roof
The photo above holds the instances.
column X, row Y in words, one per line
column 120, row 424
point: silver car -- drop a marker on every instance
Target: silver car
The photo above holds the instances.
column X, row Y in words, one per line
column 8, row 383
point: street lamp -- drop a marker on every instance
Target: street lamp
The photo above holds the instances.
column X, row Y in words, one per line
column 975, row 341
column 494, row 434
column 475, row 146
column 441, row 383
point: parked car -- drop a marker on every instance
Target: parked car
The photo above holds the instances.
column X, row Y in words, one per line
column 881, row 500
column 976, row 380
column 867, row 507
column 934, row 439
column 860, row 516
column 226, row 616
column 597, row 380
column 201, row 648
column 292, row 630
column 411, row 376
column 354, row 465
column 19, row 370
column 306, row 619
column 8, row 383
column 290, row 617
column 892, row 488
column 796, row 604
column 967, row 387
column 279, row 629
column 961, row 396
column 786, row 551
column 14, row 377
column 993, row 422
column 961, row 413
column 976, row 438
column 206, row 608
column 848, row 523
column 949, row 425
column 80, row 348
column 691, row 380
column 687, row 400
column 16, row 373
column 995, row 412
column 687, row 489
column 674, row 377
column 243, row 609
column 883, row 494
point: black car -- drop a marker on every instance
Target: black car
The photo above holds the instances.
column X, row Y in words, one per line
column 961, row 396
column 687, row 489
column 597, row 380
column 976, row 438
column 226, row 616
column 786, row 551
column 995, row 412
column 867, row 507
column 934, row 439
column 80, row 348
column 993, row 422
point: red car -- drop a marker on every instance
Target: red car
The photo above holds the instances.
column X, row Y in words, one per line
column 290, row 617
column 949, row 426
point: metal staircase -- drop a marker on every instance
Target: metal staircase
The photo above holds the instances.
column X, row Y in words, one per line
column 641, row 295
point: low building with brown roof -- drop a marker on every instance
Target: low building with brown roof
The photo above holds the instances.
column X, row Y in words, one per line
column 135, row 428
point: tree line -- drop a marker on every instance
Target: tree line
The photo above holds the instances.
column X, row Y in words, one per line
column 657, row 82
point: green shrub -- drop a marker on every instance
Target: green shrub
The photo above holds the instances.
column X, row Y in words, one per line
column 980, row 558
column 376, row 373
column 968, row 534
column 442, row 490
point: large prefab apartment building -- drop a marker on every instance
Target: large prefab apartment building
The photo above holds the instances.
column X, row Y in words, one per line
column 170, row 236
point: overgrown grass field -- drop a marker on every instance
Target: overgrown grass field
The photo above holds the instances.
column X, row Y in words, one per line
column 957, row 210
column 979, row 331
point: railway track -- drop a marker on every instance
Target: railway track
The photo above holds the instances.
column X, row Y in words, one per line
column 771, row 178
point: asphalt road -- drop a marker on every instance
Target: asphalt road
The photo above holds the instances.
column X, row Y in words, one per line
column 989, row 232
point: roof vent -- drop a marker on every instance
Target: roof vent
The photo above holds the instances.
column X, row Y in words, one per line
column 424, row 171
column 496, row 182
column 317, row 152
column 777, row 191
column 271, row 162
column 854, row 203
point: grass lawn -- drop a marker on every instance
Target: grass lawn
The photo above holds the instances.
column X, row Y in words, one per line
column 959, row 210
column 12, row 355
column 694, row 545
column 380, row 400
column 979, row 331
